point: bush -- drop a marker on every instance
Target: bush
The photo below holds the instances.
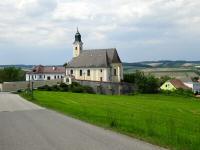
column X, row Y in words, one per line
column 64, row 87
column 75, row 84
column 77, row 89
column 88, row 89
column 179, row 92
column 55, row 88
column 74, row 87
column 44, row 88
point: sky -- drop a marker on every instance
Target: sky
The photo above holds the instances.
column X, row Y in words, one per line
column 42, row 31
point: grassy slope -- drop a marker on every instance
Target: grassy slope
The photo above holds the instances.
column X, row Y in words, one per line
column 164, row 120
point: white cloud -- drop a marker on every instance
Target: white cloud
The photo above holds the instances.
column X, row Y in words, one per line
column 108, row 22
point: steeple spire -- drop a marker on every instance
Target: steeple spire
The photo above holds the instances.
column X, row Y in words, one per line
column 77, row 36
column 77, row 29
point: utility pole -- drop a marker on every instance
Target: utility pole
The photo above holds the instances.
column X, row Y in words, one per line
column 32, row 89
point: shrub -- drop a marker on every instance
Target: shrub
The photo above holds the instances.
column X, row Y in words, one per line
column 88, row 89
column 64, row 87
column 55, row 88
column 75, row 84
column 74, row 87
column 44, row 88
column 77, row 89
column 179, row 92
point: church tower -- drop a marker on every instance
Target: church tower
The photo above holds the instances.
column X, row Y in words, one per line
column 77, row 45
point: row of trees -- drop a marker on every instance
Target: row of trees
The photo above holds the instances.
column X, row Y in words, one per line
column 145, row 83
column 11, row 74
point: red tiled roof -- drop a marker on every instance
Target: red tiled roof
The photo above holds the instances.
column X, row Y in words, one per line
column 46, row 69
column 178, row 84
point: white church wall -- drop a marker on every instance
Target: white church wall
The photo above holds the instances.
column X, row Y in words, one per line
column 96, row 74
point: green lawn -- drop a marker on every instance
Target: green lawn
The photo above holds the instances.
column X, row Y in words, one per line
column 170, row 121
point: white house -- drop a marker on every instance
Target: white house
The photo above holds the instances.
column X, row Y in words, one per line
column 195, row 86
column 95, row 64
column 40, row 73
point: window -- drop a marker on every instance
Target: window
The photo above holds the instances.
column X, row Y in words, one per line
column 88, row 72
column 101, row 70
column 71, row 71
column 58, row 77
column 101, row 79
column 48, row 78
column 44, row 76
column 76, row 48
column 54, row 77
column 81, row 72
column 115, row 72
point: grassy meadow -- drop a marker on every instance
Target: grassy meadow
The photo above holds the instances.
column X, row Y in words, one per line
column 169, row 121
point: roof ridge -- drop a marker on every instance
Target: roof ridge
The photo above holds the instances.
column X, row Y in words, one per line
column 99, row 49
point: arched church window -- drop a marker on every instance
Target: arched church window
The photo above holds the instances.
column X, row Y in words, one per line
column 71, row 71
column 115, row 72
column 81, row 72
column 88, row 72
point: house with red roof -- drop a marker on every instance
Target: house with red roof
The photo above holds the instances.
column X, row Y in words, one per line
column 40, row 73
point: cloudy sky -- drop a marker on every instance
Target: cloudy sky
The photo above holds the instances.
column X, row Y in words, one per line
column 42, row 31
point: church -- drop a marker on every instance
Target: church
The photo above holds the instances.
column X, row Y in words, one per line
column 103, row 65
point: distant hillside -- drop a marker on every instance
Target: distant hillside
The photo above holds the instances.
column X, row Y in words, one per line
column 18, row 66
column 163, row 64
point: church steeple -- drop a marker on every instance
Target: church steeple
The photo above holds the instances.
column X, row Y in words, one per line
column 77, row 36
column 78, row 44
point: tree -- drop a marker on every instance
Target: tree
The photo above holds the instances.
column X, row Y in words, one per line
column 163, row 79
column 144, row 83
column 12, row 74
column 195, row 79
column 65, row 64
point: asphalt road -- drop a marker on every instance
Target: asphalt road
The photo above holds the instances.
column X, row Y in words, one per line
column 25, row 126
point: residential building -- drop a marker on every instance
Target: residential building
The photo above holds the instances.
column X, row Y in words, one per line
column 173, row 85
column 195, row 86
column 40, row 72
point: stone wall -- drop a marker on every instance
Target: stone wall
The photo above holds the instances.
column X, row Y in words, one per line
column 110, row 88
column 15, row 86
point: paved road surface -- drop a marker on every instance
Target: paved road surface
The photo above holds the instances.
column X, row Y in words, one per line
column 25, row 126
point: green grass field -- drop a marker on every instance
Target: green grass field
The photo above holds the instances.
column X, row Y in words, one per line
column 170, row 121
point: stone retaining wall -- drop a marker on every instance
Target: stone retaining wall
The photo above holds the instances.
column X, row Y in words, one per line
column 110, row 88
column 22, row 85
